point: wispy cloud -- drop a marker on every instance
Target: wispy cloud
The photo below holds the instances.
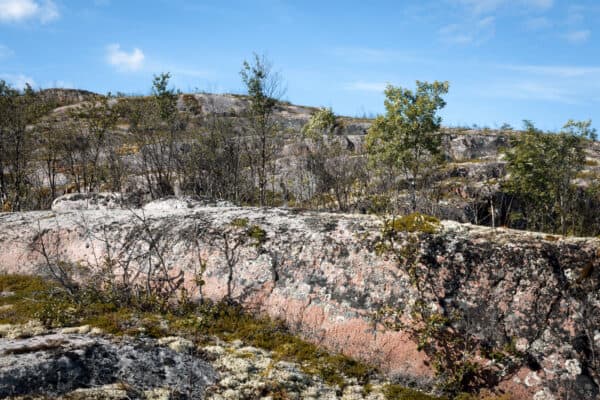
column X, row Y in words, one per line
column 363, row 86
column 579, row 36
column 18, row 81
column 25, row 10
column 561, row 71
column 371, row 54
column 469, row 33
column 538, row 23
column 59, row 84
column 479, row 7
column 5, row 52
column 530, row 90
column 565, row 84
column 124, row 61
column 191, row 72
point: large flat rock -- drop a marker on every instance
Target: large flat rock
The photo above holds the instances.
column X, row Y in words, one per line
column 321, row 273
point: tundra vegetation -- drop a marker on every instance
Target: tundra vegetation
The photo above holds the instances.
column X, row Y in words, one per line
column 169, row 143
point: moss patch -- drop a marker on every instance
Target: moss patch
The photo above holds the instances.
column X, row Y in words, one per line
column 397, row 392
column 35, row 298
column 415, row 222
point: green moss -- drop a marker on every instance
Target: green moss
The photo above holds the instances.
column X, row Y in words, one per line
column 36, row 298
column 415, row 222
column 30, row 297
column 397, row 392
column 115, row 323
column 22, row 285
column 239, row 222
column 254, row 232
column 258, row 234
column 232, row 323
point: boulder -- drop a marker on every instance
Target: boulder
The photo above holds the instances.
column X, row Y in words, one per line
column 531, row 294
column 96, row 367
column 88, row 201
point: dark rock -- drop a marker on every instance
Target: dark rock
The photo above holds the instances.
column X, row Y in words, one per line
column 59, row 363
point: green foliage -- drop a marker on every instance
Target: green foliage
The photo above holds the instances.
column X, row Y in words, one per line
column 542, row 168
column 407, row 137
column 18, row 111
column 582, row 129
column 378, row 204
column 165, row 97
column 257, row 76
column 322, row 122
column 331, row 160
column 264, row 90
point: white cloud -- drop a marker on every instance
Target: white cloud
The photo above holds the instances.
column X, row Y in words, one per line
column 123, row 60
column 366, row 86
column 578, row 36
column 469, row 33
column 23, row 10
column 18, row 80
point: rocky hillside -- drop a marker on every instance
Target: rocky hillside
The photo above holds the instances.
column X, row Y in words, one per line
column 464, row 187
column 523, row 306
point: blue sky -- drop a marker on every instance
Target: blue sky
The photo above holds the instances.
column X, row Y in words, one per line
column 506, row 60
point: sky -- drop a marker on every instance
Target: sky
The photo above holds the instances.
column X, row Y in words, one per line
column 506, row 60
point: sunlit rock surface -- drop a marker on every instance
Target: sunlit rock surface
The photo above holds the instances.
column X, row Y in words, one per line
column 321, row 274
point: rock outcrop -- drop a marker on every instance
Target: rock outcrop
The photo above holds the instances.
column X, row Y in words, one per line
column 79, row 363
column 88, row 201
column 326, row 277
column 59, row 363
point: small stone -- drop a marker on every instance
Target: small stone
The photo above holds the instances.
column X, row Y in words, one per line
column 532, row 379
column 177, row 344
column 214, row 350
column 158, row 394
column 236, row 365
column 544, row 394
column 96, row 331
column 18, row 331
column 573, row 367
column 231, row 394
column 229, row 382
column 521, row 344
column 82, row 330
column 116, row 391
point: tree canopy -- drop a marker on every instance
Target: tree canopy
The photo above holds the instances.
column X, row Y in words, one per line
column 408, row 136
